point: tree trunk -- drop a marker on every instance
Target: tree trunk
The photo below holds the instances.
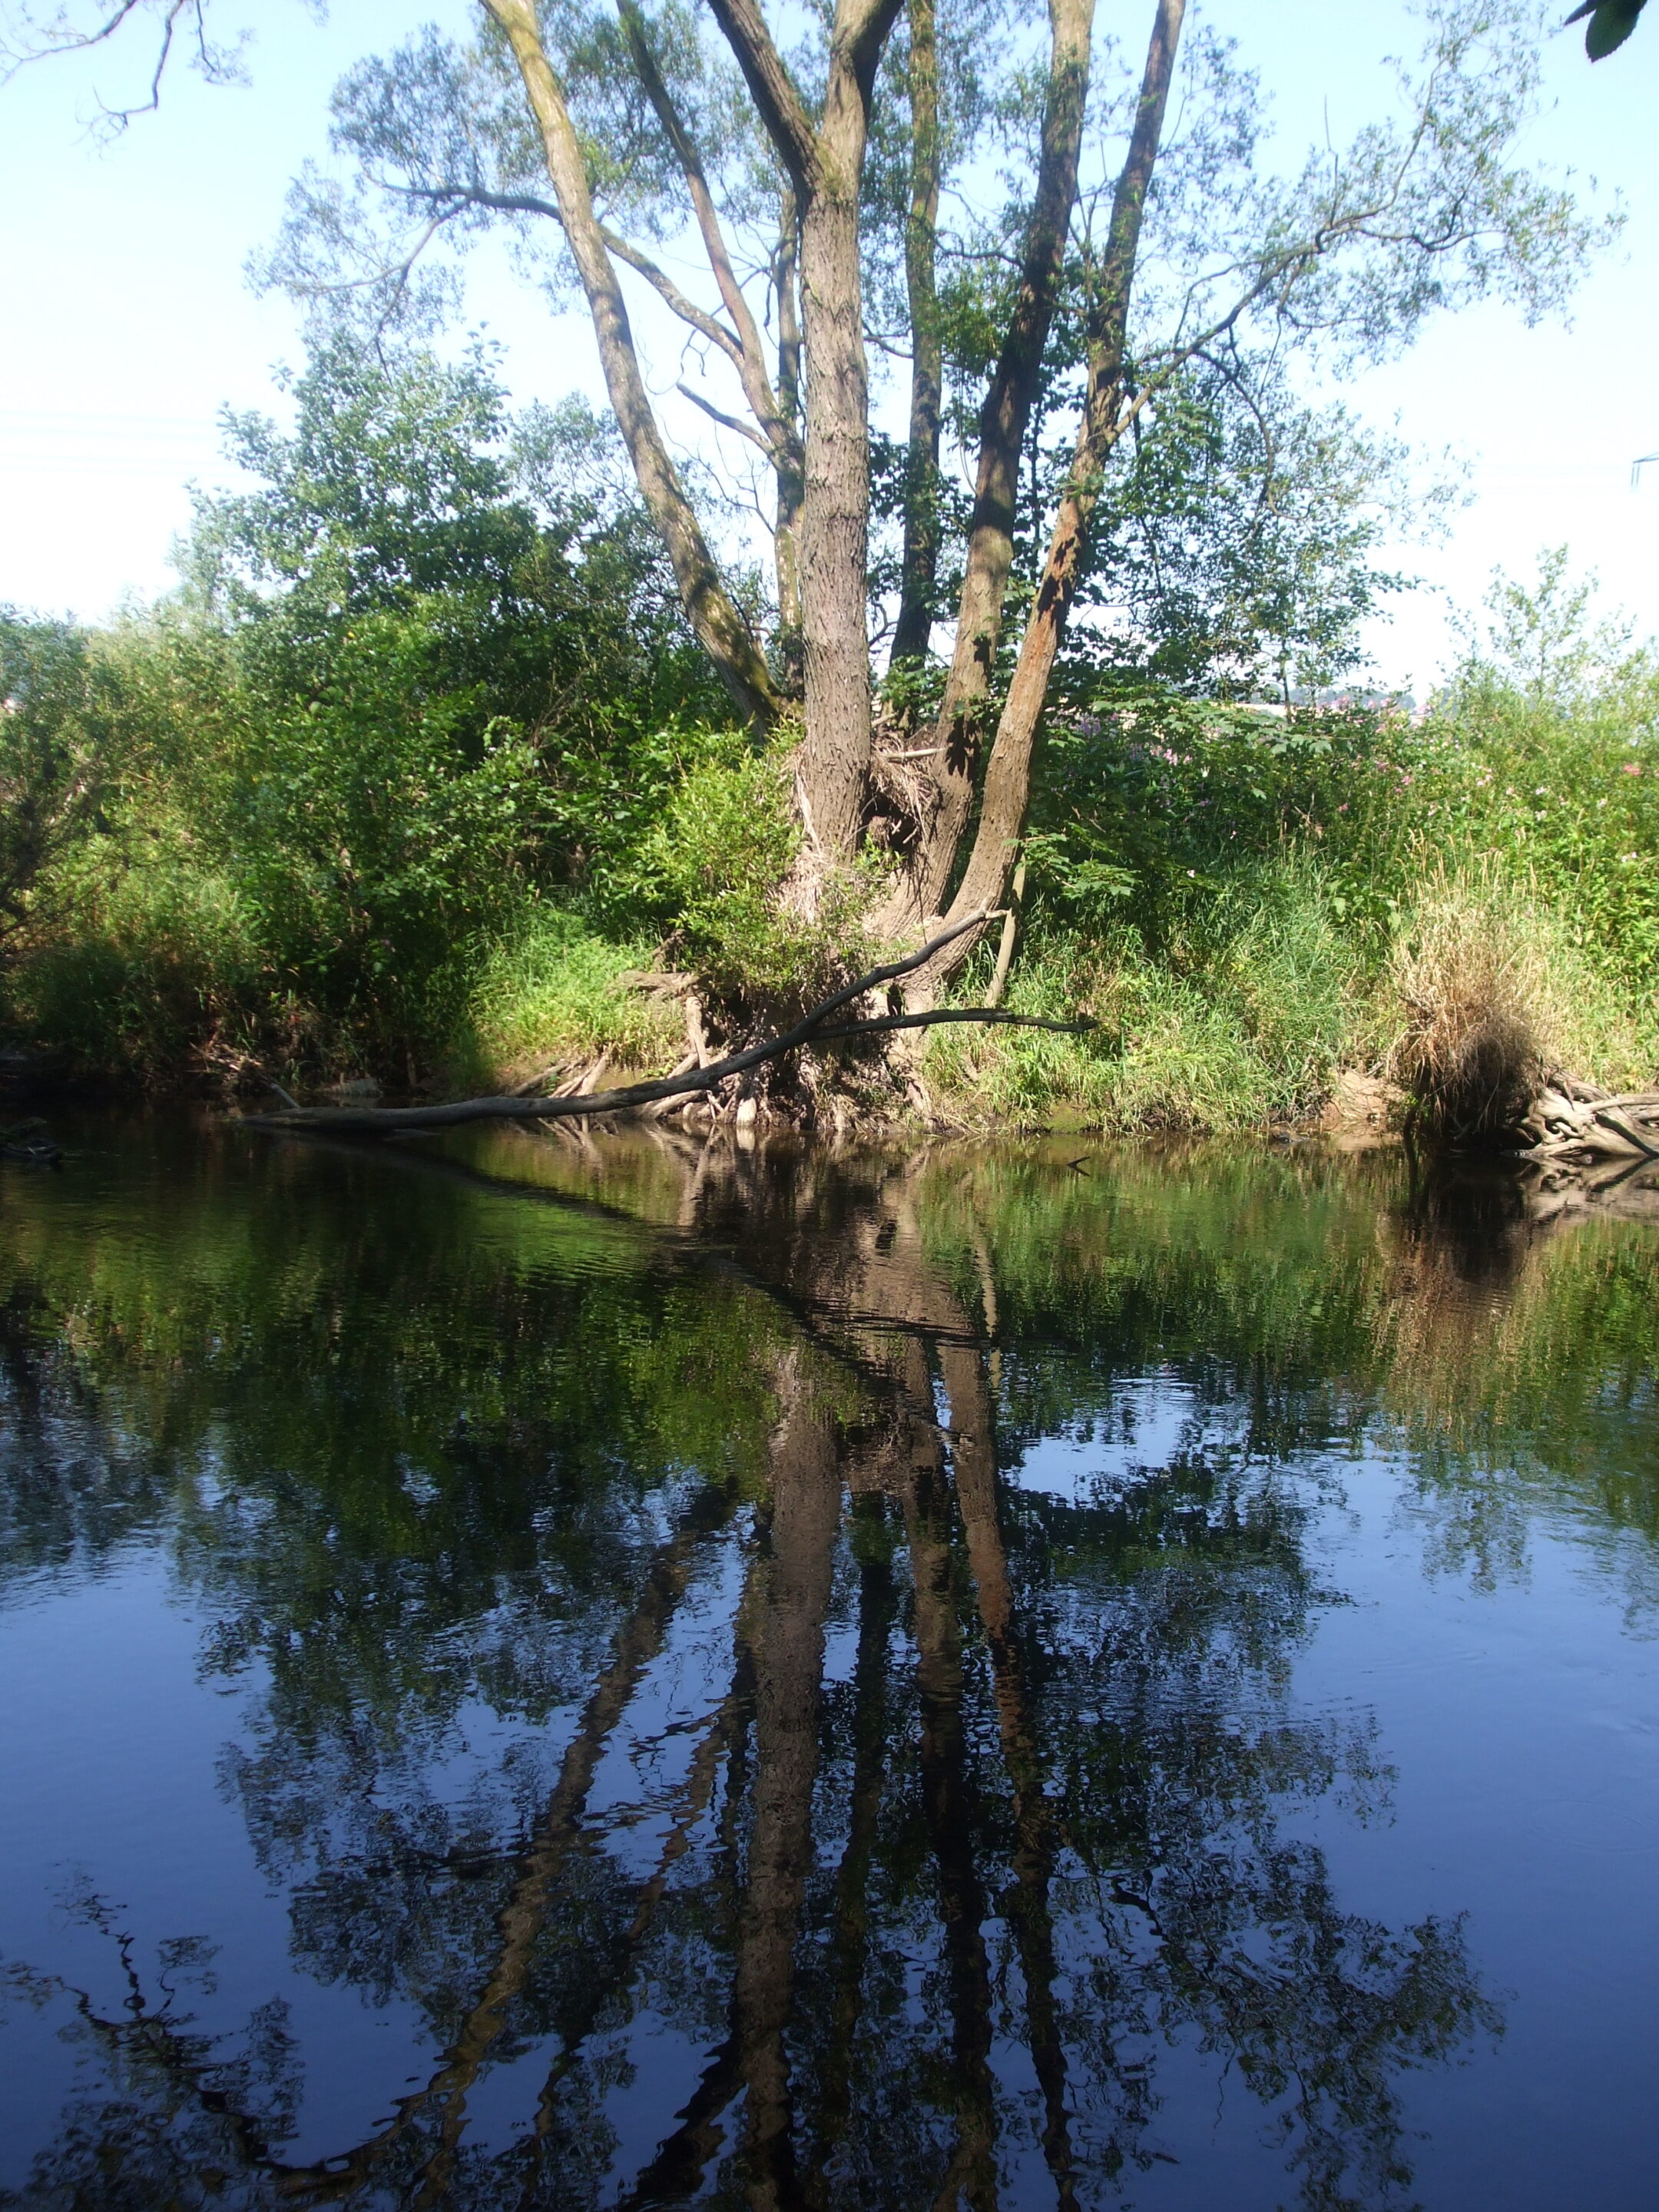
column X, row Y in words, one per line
column 1008, row 774
column 791, row 481
column 919, row 569
column 835, row 537
column 973, row 1462
column 720, row 627
column 806, row 1492
column 1003, row 422
column 826, row 166
column 948, row 1804
column 849, row 1949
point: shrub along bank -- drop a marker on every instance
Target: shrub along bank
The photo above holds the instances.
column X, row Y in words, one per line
column 391, row 787
column 1248, row 905
column 1244, row 904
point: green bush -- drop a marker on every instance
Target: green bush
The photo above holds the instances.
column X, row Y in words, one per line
column 422, row 759
column 153, row 969
column 392, row 710
column 1165, row 801
column 1232, row 889
column 54, row 700
column 723, row 857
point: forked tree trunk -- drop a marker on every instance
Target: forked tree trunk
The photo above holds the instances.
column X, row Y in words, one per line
column 823, row 514
column 720, row 627
column 1008, row 772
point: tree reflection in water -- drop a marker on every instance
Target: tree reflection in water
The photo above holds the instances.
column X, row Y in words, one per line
column 865, row 1830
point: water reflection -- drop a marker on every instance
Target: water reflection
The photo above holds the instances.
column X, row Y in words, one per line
column 670, row 1698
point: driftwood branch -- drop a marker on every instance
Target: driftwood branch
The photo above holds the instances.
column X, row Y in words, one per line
column 388, row 1121
column 1591, row 1122
column 31, row 1145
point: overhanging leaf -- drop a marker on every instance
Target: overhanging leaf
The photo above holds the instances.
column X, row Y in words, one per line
column 1611, row 22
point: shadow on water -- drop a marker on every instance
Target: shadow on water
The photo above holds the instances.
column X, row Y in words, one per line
column 774, row 1676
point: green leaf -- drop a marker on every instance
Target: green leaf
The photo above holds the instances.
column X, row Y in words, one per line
column 1609, row 25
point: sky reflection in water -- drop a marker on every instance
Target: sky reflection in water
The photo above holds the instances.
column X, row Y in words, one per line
column 561, row 1676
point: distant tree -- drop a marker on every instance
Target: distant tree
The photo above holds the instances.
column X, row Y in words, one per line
column 395, row 692
column 405, row 484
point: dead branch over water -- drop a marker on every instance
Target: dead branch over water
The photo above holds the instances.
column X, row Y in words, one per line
column 1579, row 1119
column 390, row 1121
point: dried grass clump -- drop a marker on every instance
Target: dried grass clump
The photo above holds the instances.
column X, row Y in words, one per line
column 1480, row 1007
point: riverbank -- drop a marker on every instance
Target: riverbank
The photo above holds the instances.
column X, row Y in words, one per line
column 1285, row 1022
column 1242, row 909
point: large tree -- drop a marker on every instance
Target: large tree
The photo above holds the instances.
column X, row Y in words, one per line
column 1086, row 229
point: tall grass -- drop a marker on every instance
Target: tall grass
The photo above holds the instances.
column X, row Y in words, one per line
column 1242, row 1019
column 1464, row 901
column 549, row 990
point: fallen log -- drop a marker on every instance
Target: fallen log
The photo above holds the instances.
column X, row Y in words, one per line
column 391, row 1120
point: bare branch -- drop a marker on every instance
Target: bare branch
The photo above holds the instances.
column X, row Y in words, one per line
column 726, row 421
column 527, row 204
column 58, row 38
column 715, row 617
column 60, row 42
column 750, row 355
column 688, row 310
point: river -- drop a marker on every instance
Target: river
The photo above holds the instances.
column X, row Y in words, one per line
column 552, row 1672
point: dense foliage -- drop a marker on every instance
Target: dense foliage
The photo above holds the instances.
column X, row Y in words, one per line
column 1226, row 887
column 392, row 704
column 54, row 695
column 388, row 788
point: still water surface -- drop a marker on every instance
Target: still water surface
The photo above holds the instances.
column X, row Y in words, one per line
column 545, row 1676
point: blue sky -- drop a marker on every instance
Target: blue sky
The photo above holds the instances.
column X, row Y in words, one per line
column 129, row 323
